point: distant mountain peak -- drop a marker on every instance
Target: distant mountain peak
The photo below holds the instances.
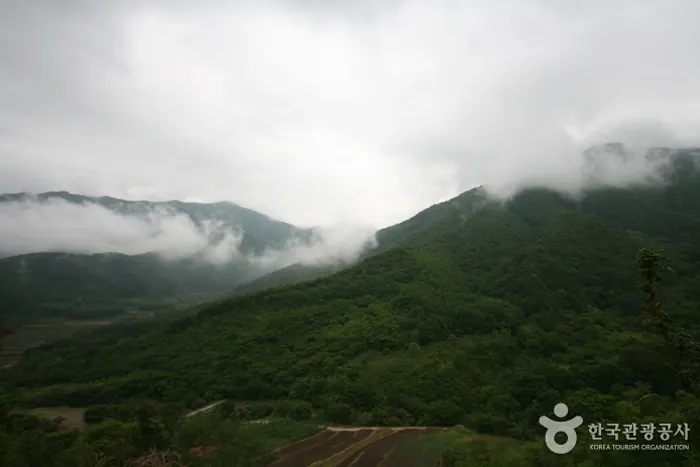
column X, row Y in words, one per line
column 609, row 163
column 259, row 231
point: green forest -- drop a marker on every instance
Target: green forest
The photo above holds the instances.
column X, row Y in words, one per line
column 476, row 312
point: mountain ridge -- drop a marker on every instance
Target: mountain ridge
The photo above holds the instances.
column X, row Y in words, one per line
column 429, row 226
column 228, row 212
column 142, row 280
column 481, row 313
column 537, row 260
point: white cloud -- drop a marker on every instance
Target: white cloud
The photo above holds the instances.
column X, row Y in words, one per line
column 57, row 225
column 334, row 112
column 329, row 245
column 31, row 226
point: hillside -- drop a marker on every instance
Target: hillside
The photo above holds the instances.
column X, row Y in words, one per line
column 477, row 312
column 74, row 286
column 419, row 229
column 67, row 285
column 292, row 274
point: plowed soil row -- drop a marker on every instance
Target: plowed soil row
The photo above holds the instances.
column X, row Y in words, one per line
column 330, row 442
column 303, row 444
column 375, row 453
column 349, row 461
column 362, row 440
column 282, row 461
column 337, row 442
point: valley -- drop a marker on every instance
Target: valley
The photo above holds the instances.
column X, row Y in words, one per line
column 476, row 312
column 349, row 233
column 225, row 249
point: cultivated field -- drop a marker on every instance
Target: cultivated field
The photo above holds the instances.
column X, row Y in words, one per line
column 369, row 447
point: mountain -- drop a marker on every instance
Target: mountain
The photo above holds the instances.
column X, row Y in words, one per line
column 292, row 274
column 259, row 231
column 477, row 311
column 464, row 282
column 64, row 284
column 418, row 229
column 74, row 286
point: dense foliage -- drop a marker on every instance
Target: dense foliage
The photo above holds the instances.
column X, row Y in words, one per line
column 4, row 331
column 476, row 312
column 212, row 440
column 57, row 286
column 289, row 275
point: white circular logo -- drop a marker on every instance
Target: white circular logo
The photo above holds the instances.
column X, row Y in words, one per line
column 568, row 427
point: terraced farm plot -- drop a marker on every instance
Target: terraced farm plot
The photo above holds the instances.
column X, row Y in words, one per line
column 424, row 451
column 349, row 455
column 323, row 449
column 375, row 453
column 347, row 447
column 286, row 451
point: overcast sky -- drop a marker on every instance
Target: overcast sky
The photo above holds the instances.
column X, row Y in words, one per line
column 318, row 112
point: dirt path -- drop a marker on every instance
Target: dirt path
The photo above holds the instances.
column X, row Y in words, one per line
column 206, row 408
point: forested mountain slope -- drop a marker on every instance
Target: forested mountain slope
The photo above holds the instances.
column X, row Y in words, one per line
column 78, row 286
column 488, row 315
column 419, row 229
column 292, row 274
column 67, row 284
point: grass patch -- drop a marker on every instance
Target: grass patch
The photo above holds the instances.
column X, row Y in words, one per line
column 483, row 448
column 74, row 417
column 493, row 439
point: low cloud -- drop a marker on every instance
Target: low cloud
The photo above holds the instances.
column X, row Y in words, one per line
column 328, row 245
column 32, row 226
column 620, row 155
column 413, row 101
